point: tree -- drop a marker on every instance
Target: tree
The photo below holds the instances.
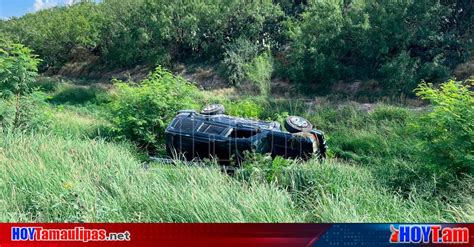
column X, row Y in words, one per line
column 397, row 43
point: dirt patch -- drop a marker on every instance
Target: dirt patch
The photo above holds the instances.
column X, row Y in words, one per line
column 81, row 61
column 356, row 87
column 135, row 74
column 205, row 77
column 282, row 88
column 465, row 70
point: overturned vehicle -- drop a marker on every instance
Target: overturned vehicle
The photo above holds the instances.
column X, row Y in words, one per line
column 212, row 134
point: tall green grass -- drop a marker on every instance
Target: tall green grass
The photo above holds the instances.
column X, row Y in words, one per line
column 47, row 178
column 77, row 122
column 335, row 191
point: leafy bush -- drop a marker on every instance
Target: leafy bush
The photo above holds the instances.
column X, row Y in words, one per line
column 244, row 65
column 448, row 130
column 259, row 72
column 236, row 58
column 399, row 73
column 244, row 108
column 18, row 69
column 188, row 30
column 130, row 32
column 395, row 42
column 77, row 95
column 141, row 112
column 44, row 84
column 316, row 43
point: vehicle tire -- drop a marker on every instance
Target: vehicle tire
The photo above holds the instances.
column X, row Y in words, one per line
column 295, row 124
column 213, row 109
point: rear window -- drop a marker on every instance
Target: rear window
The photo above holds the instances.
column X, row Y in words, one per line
column 211, row 129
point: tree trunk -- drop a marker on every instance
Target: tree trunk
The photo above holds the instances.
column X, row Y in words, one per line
column 17, row 111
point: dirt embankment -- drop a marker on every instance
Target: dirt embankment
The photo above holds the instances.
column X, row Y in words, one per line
column 465, row 70
column 84, row 64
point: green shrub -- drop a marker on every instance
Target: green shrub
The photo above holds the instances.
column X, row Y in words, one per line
column 244, row 108
column 54, row 32
column 141, row 112
column 236, row 58
column 18, row 68
column 245, row 66
column 76, row 95
column 129, row 32
column 316, row 42
column 44, row 84
column 259, row 72
column 399, row 73
column 186, row 31
column 447, row 131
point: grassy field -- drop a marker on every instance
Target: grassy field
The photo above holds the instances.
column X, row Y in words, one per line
column 88, row 88
column 73, row 170
column 49, row 178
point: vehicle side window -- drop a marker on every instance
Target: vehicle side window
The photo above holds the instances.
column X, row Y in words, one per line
column 211, row 129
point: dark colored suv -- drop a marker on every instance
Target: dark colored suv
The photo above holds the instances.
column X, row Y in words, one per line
column 211, row 134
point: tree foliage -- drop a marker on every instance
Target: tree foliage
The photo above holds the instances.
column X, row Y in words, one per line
column 317, row 42
column 18, row 68
column 396, row 42
column 53, row 33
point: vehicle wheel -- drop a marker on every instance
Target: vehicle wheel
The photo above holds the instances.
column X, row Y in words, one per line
column 295, row 124
column 213, row 109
